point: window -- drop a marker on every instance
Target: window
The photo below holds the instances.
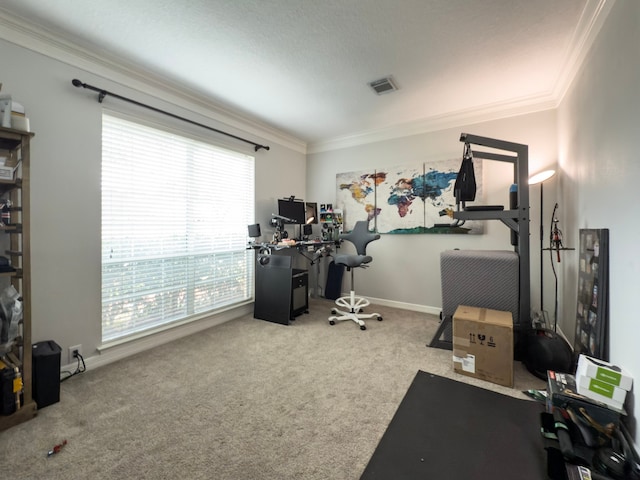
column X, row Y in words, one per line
column 174, row 228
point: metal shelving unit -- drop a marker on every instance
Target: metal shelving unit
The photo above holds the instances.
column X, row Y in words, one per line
column 15, row 144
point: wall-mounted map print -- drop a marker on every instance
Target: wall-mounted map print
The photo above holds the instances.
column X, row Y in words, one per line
column 406, row 199
column 356, row 195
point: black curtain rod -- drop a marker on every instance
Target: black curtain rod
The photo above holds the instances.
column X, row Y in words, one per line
column 103, row 93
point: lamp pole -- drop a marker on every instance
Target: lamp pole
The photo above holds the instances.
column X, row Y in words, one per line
column 541, row 178
column 541, row 246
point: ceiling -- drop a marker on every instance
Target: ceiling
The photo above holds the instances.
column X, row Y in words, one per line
column 303, row 66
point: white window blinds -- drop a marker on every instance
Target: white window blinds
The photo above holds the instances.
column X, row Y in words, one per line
column 174, row 227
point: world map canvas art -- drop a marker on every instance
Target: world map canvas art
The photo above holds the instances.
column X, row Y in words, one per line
column 406, row 199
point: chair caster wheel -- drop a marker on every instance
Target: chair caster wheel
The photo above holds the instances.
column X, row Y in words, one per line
column 363, row 327
column 331, row 322
column 379, row 319
column 333, row 311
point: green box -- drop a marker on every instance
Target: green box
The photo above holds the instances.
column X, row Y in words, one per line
column 604, row 371
column 602, row 391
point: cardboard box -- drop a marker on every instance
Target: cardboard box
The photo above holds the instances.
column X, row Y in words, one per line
column 8, row 165
column 483, row 344
column 603, row 371
column 562, row 392
column 602, row 391
column 7, row 174
column 20, row 122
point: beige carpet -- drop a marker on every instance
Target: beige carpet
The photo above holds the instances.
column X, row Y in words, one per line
column 247, row 399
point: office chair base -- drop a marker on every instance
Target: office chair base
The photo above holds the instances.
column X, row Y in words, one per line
column 355, row 306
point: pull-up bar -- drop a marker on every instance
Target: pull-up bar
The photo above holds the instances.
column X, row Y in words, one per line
column 102, row 93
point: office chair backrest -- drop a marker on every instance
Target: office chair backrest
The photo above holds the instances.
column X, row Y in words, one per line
column 360, row 236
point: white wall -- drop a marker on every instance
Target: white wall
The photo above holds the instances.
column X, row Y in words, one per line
column 65, row 186
column 599, row 130
column 406, row 268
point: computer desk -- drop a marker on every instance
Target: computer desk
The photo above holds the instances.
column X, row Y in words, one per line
column 281, row 291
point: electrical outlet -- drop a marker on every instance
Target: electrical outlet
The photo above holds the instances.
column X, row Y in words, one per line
column 72, row 353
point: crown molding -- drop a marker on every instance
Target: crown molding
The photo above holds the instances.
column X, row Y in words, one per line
column 54, row 45
column 495, row 111
column 590, row 24
column 591, row 21
column 58, row 47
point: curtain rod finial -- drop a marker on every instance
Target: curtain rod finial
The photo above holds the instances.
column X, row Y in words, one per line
column 77, row 83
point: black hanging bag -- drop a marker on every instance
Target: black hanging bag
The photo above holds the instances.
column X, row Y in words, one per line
column 465, row 187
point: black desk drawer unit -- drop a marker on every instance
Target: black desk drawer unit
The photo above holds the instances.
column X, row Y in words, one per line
column 299, row 292
column 281, row 291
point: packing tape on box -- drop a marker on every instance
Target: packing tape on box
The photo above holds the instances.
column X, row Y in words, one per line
column 461, row 341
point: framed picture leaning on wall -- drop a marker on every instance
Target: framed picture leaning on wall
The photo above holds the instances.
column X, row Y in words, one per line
column 592, row 314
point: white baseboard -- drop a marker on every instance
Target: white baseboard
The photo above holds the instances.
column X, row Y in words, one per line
column 414, row 307
column 119, row 350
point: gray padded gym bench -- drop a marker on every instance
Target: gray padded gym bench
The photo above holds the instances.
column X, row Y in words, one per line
column 478, row 278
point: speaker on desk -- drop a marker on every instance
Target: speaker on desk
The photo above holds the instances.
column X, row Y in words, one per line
column 46, row 373
column 307, row 230
column 254, row 230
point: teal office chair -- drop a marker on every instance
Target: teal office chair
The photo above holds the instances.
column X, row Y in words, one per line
column 360, row 237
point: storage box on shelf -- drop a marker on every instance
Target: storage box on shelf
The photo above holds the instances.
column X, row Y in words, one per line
column 15, row 230
column 8, row 165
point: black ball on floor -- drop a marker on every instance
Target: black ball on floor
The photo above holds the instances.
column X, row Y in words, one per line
column 546, row 350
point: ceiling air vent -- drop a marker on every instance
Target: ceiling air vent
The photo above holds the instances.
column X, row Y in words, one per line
column 384, row 85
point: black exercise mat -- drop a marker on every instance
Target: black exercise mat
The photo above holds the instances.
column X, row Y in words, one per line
column 445, row 429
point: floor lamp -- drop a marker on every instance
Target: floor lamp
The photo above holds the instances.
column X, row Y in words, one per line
column 545, row 349
column 540, row 178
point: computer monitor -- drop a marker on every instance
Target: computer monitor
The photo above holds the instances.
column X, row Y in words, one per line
column 292, row 209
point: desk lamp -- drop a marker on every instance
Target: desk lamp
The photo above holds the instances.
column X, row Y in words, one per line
column 277, row 222
column 306, row 229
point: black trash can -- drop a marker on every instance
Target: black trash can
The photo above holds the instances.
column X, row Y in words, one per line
column 46, row 373
column 7, row 395
column 334, row 281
